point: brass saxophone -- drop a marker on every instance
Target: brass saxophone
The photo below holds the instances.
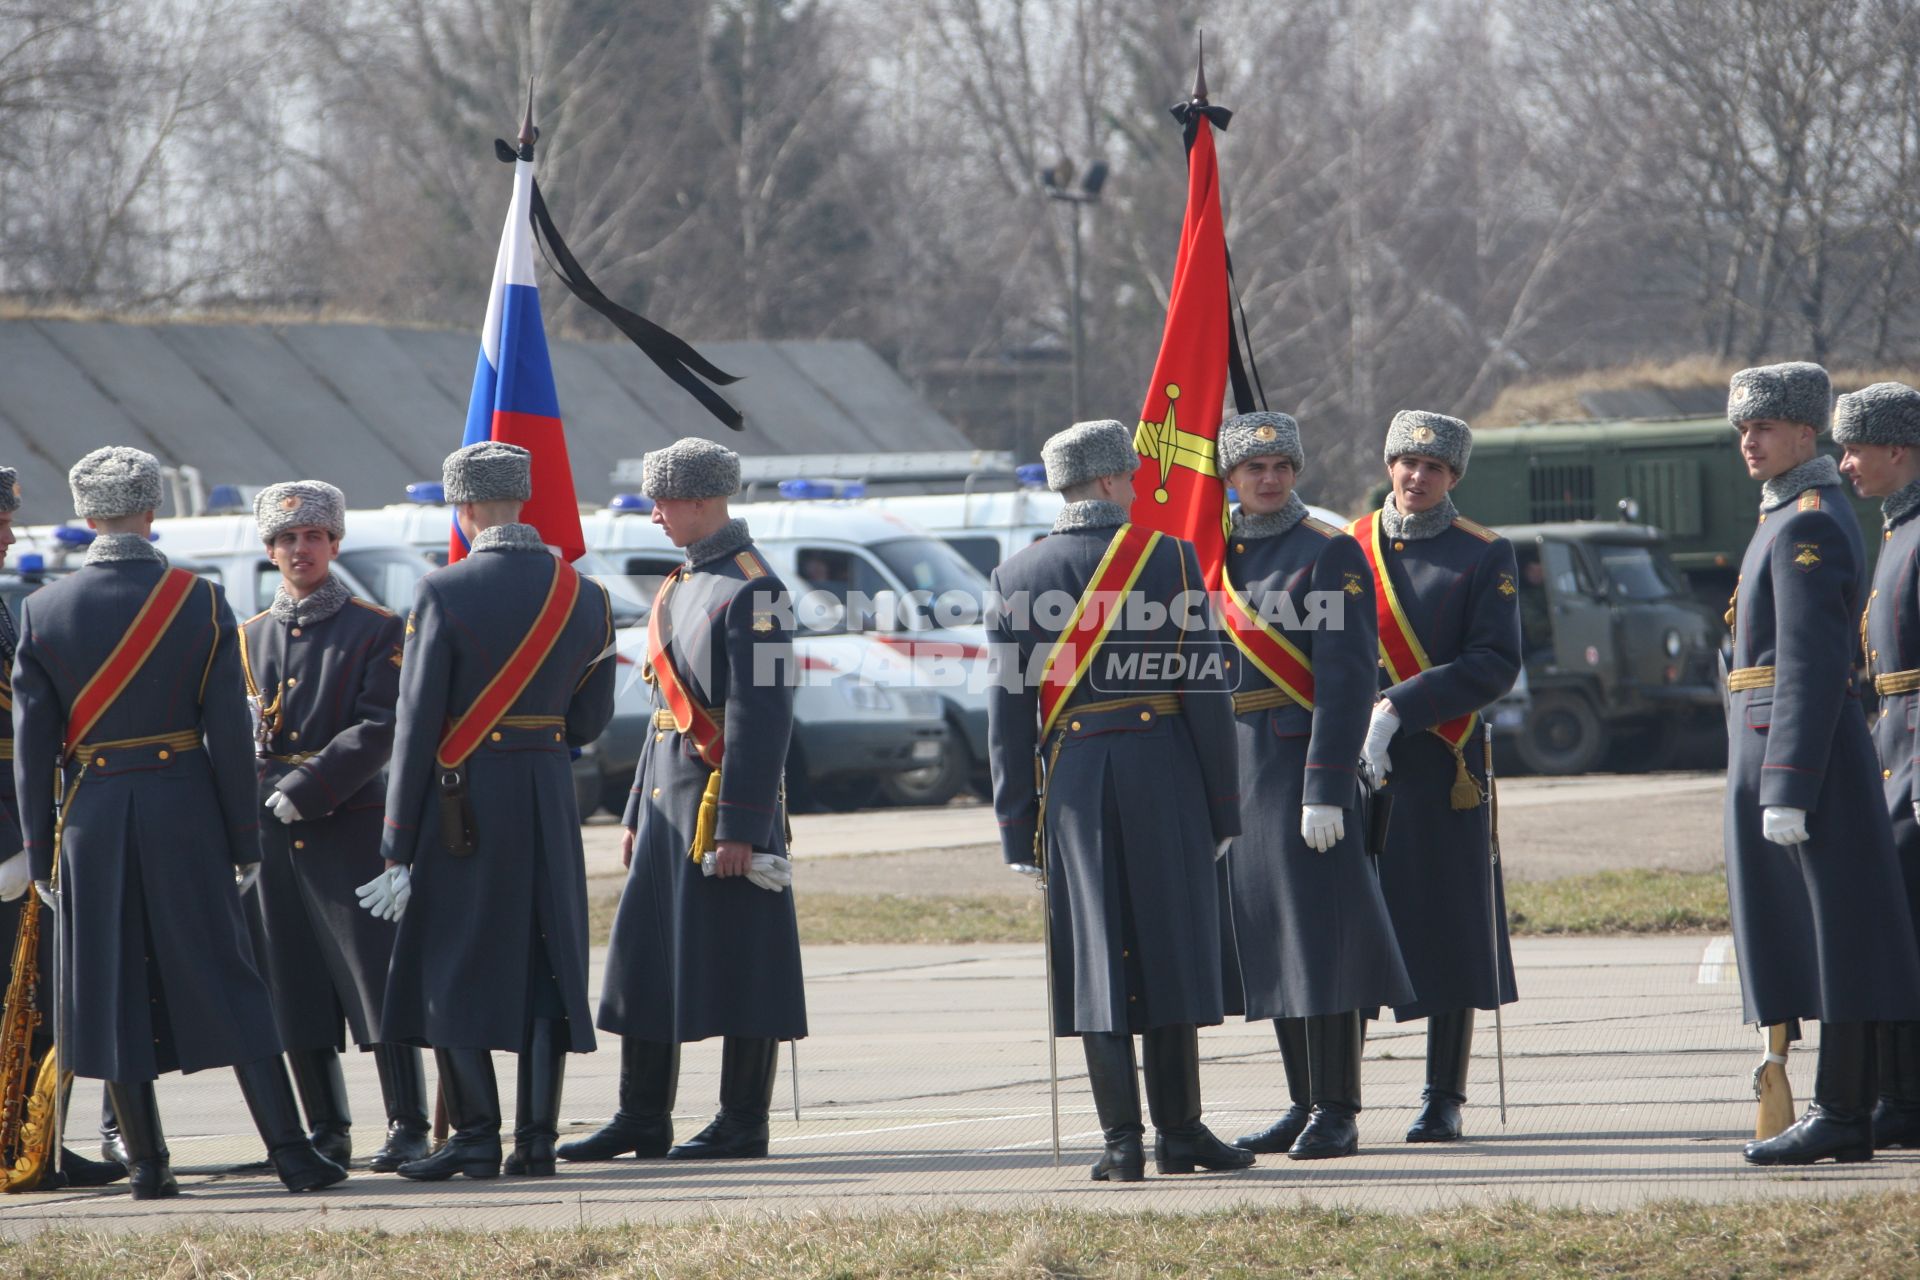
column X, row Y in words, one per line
column 27, row 1090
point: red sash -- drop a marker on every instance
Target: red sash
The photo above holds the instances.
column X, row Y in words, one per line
column 1094, row 614
column 689, row 717
column 156, row 614
column 1271, row 652
column 1400, row 645
column 465, row 735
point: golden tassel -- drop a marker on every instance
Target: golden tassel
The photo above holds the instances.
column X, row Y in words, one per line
column 1466, row 792
column 709, row 820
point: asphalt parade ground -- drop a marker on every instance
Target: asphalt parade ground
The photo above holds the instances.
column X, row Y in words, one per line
column 924, row 1085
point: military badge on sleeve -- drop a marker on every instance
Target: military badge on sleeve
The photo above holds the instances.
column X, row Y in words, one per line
column 763, row 622
column 1506, row 585
column 1806, row 555
column 1352, row 586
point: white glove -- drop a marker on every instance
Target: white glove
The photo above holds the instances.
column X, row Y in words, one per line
column 1380, row 731
column 387, row 894
column 1916, row 810
column 280, row 804
column 1220, row 851
column 45, row 890
column 1025, row 869
column 247, row 877
column 1322, row 825
column 768, row 871
column 16, row 877
column 1783, row 825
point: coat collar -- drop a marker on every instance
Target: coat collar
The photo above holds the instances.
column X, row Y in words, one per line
column 1421, row 525
column 728, row 539
column 508, row 537
column 1900, row 505
column 1095, row 513
column 115, row 548
column 1271, row 525
column 325, row 600
column 1788, row 485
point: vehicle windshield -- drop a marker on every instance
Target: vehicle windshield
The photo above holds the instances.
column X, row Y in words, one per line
column 1636, row 573
column 955, row 591
column 390, row 573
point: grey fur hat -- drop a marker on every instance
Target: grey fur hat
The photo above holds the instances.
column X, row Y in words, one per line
column 1794, row 392
column 297, row 504
column 1258, row 435
column 1087, row 451
column 115, row 481
column 690, row 467
column 488, row 471
column 9, row 489
column 1884, row 413
column 1430, row 435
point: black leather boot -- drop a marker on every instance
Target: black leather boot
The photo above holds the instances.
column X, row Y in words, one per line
column 739, row 1132
column 643, row 1124
column 1896, row 1117
column 1839, row 1124
column 1116, row 1099
column 1449, row 1049
column 1180, row 1142
column 149, row 1170
column 536, row 1116
column 263, row 1083
column 1280, row 1135
column 1333, row 1062
column 403, row 1084
column 473, row 1107
column 111, row 1146
column 322, row 1087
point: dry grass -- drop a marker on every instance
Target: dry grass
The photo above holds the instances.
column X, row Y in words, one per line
column 1860, row 1236
column 1615, row 902
column 1558, row 399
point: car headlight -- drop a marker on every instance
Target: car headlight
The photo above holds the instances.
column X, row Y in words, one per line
column 1673, row 644
column 863, row 695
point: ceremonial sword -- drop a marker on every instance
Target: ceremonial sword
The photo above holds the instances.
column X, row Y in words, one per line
column 1493, row 918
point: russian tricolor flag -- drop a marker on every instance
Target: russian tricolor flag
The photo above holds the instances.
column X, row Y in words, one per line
column 513, row 396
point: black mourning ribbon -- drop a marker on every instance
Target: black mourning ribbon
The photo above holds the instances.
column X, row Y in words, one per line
column 1188, row 113
column 672, row 354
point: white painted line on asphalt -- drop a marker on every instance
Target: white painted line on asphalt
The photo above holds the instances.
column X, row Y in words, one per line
column 906, row 1128
column 1716, row 962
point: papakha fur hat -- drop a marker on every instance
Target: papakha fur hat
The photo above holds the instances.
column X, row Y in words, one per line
column 1258, row 435
column 488, row 471
column 1796, row 391
column 690, row 467
column 1087, row 451
column 113, row 482
column 298, row 504
column 1430, row 435
column 1884, row 413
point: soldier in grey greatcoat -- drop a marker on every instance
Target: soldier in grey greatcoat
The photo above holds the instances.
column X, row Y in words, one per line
column 705, row 942
column 1141, row 794
column 16, row 876
column 1315, row 944
column 1878, row 428
column 322, row 669
column 1455, row 583
column 492, row 950
column 153, row 810
column 1821, row 923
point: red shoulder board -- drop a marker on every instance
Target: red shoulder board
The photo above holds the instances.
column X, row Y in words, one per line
column 1475, row 528
column 1810, row 500
column 750, row 565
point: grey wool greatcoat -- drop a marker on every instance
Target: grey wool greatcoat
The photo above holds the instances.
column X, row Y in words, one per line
column 1893, row 644
column 1136, row 799
column 1820, row 931
column 1458, row 591
column 1311, row 928
column 12, row 842
column 694, row 955
column 495, row 938
column 161, row 974
column 327, row 688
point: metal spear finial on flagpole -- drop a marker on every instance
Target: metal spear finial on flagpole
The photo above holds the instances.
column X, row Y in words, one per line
column 527, row 132
column 1200, row 71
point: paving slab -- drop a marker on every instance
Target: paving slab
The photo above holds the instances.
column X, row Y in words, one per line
column 924, row 1086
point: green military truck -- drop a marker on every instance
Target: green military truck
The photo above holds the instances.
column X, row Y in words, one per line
column 1629, row 537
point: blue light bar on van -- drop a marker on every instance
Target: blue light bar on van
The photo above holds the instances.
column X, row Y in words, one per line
column 1032, row 475
column 632, row 503
column 225, row 499
column 33, row 562
column 428, row 493
column 73, row 535
column 808, row 490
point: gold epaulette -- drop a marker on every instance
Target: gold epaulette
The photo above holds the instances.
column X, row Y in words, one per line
column 256, row 617
column 1475, row 528
column 371, row 607
column 1322, row 528
column 1810, row 500
column 751, row 564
